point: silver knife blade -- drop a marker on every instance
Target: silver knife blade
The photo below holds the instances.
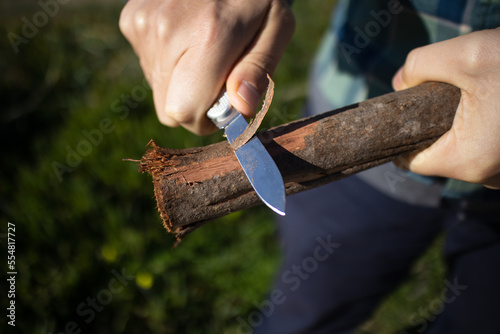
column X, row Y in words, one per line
column 259, row 167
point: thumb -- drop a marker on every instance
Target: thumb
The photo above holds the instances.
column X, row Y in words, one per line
column 247, row 81
column 429, row 161
column 436, row 62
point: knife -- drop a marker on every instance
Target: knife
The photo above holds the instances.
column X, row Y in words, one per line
column 259, row 167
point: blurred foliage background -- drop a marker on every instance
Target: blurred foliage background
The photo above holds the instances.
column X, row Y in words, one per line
column 91, row 251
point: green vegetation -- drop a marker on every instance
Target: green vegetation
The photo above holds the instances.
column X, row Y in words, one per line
column 91, row 252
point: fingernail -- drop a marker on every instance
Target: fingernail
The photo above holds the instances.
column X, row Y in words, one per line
column 249, row 94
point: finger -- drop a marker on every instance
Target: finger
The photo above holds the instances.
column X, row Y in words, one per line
column 126, row 21
column 160, row 50
column 248, row 79
column 160, row 79
column 430, row 160
column 191, row 92
column 459, row 62
column 159, row 82
column 201, row 71
column 440, row 61
column 457, row 154
column 135, row 23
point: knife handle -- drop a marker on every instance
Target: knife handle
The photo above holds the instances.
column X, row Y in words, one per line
column 222, row 112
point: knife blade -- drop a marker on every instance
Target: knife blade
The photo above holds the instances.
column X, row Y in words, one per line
column 259, row 167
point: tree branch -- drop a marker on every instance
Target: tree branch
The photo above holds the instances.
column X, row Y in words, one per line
column 194, row 186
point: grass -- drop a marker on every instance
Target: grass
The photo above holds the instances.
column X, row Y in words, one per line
column 76, row 231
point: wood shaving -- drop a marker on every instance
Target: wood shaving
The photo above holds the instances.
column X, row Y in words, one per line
column 255, row 123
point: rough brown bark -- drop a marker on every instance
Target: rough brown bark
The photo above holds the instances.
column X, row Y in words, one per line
column 194, row 186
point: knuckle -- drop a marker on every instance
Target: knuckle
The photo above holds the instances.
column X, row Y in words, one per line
column 180, row 113
column 165, row 120
column 287, row 18
column 478, row 53
column 140, row 20
column 167, row 17
column 210, row 29
column 156, row 22
column 411, row 63
column 265, row 62
column 124, row 21
column 161, row 28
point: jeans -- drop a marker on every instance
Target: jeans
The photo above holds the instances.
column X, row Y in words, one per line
column 346, row 246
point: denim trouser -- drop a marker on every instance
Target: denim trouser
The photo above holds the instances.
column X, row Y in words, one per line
column 346, row 246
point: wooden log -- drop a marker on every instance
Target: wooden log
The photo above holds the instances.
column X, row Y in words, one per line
column 196, row 185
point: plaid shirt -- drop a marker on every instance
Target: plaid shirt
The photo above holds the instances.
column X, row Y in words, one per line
column 368, row 41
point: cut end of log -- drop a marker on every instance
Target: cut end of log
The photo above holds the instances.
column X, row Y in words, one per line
column 186, row 184
column 159, row 162
column 154, row 163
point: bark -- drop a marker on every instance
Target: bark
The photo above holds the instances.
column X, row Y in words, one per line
column 194, row 186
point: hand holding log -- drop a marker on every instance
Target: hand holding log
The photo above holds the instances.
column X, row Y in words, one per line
column 194, row 186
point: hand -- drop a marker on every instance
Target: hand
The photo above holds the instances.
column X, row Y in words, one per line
column 470, row 150
column 188, row 49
